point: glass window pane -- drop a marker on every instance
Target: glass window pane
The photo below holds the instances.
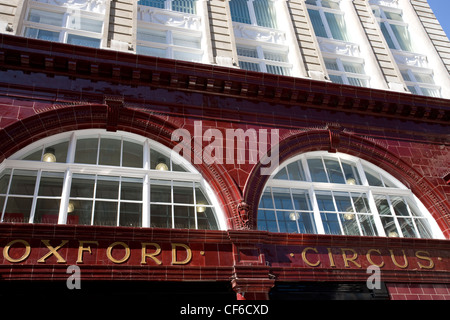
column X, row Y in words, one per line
column 330, row 223
column 266, row 200
column 399, row 206
column 45, row 17
column 402, row 36
column 184, row 217
column 105, row 213
column 361, row 203
column 187, row 56
column 351, row 174
column 149, row 51
column 239, row 11
column 389, row 226
column 152, row 35
column 186, row 6
column 334, row 171
column 250, row 66
column 265, row 13
column 337, row 26
column 287, row 221
column 373, row 179
column 107, row 187
column 4, row 181
column 132, row 155
column 109, row 152
column 382, row 205
column 152, row 3
column 367, row 224
column 23, row 182
column 207, row 220
column 200, row 197
column 17, row 209
column 325, row 202
column 83, row 41
column 82, row 186
column 80, row 212
column 282, row 198
column 296, row 172
column 319, row 27
column 86, row 151
column 301, row 200
column 282, row 174
column 387, row 36
column 130, row 214
column 186, row 41
column 47, row 211
column 317, row 171
column 183, row 193
column 349, row 224
column 83, row 23
column 160, row 216
column 424, row 228
column 158, row 161
column 306, row 223
column 131, row 189
column 343, row 202
column 41, row 34
column 160, row 191
column 51, row 184
column 56, row 152
column 407, row 227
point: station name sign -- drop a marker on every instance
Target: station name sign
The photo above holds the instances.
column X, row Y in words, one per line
column 95, row 252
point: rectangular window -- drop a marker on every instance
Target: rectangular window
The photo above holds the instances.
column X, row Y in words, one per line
column 60, row 24
column 346, row 72
column 186, row 6
column 257, row 12
column 327, row 20
column 263, row 60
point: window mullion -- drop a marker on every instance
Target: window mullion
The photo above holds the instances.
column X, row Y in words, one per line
column 65, row 194
column 35, row 195
column 251, row 12
column 317, row 216
column 376, row 215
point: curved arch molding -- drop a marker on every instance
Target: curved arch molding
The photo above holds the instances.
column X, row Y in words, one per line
column 332, row 139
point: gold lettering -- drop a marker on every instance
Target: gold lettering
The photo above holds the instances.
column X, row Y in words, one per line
column 125, row 257
column 174, row 253
column 306, row 260
column 419, row 256
column 150, row 255
column 369, row 258
column 330, row 256
column 352, row 259
column 53, row 251
column 23, row 257
column 81, row 248
column 395, row 261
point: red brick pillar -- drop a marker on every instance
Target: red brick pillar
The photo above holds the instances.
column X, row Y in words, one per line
column 252, row 288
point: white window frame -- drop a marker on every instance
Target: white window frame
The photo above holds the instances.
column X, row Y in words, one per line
column 69, row 168
column 64, row 30
column 171, row 27
column 260, row 59
column 318, row 7
column 342, row 72
column 314, row 188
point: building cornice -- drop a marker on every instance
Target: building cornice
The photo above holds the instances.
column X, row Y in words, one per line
column 30, row 55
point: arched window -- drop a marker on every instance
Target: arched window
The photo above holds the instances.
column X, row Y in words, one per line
column 94, row 177
column 323, row 193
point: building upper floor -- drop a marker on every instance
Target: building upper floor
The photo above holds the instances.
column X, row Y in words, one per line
column 395, row 45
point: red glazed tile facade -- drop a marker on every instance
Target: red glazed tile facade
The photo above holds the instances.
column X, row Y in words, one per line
column 48, row 90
